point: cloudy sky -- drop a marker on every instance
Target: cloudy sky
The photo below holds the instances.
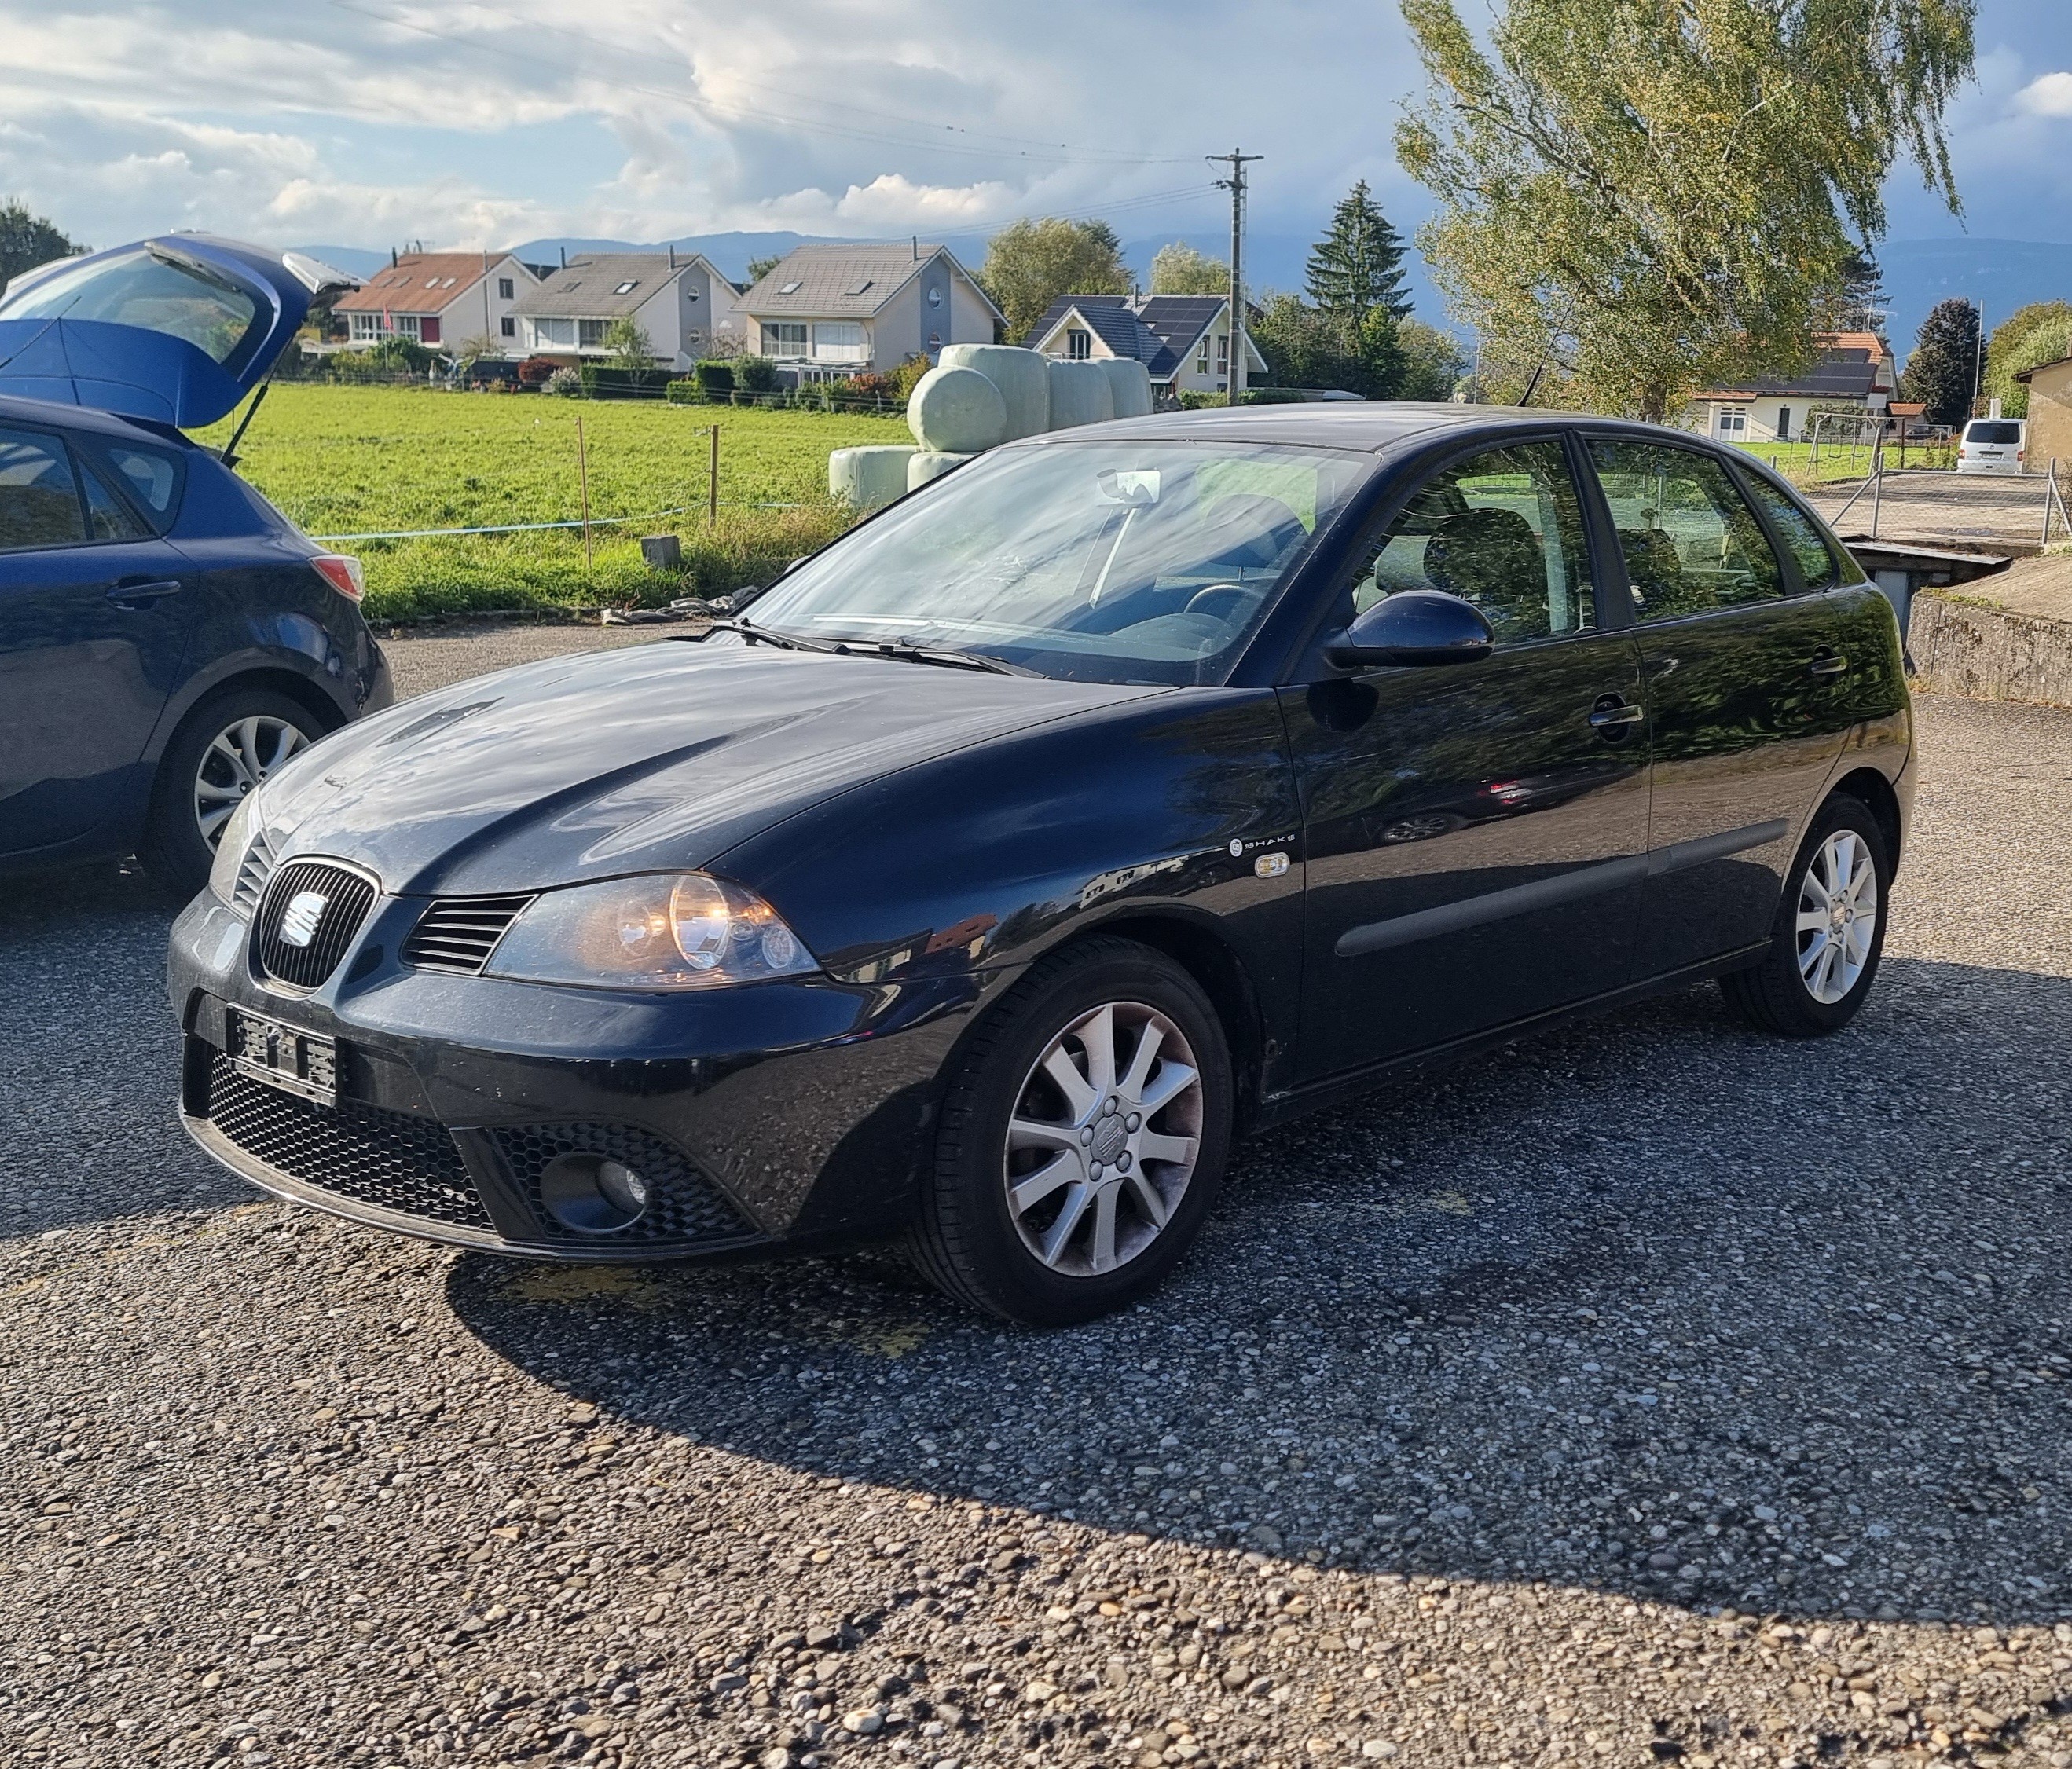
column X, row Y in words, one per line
column 373, row 122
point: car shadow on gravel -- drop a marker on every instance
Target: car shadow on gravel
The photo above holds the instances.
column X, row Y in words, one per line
column 90, row 1057
column 1651, row 1305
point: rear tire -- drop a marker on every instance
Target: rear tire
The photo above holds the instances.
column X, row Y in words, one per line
column 223, row 749
column 1830, row 929
column 1114, row 1156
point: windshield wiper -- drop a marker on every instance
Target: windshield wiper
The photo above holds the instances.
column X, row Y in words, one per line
column 948, row 660
column 789, row 641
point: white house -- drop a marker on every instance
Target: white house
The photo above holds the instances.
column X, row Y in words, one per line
column 440, row 299
column 677, row 298
column 1183, row 341
column 1854, row 370
column 832, row 310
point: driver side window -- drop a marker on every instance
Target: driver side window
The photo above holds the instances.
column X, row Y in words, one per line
column 1502, row 530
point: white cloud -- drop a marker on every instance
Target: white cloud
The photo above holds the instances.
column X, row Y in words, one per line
column 2050, row 96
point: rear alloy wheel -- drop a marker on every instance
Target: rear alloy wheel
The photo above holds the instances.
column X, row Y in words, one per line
column 221, row 753
column 1830, row 929
column 1083, row 1140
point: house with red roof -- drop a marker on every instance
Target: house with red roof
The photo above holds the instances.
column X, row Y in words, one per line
column 441, row 299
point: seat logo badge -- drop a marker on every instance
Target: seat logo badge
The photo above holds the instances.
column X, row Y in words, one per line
column 306, row 909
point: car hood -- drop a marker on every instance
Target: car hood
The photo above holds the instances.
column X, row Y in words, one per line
column 652, row 758
column 60, row 340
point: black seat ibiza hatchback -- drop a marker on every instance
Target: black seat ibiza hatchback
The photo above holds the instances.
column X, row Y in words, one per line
column 167, row 638
column 1128, row 790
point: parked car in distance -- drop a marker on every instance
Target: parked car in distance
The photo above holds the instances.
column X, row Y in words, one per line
column 167, row 637
column 1130, row 790
column 1993, row 444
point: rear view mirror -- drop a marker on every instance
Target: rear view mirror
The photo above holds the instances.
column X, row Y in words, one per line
column 1134, row 488
column 1413, row 626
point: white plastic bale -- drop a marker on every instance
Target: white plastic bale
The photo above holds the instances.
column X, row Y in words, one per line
column 1023, row 377
column 1129, row 385
column 869, row 476
column 925, row 465
column 957, row 411
column 1080, row 393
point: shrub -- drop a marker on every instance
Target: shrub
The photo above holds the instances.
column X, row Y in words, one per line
column 566, row 384
column 537, row 371
column 602, row 380
column 715, row 378
column 683, row 391
column 908, row 374
column 754, row 374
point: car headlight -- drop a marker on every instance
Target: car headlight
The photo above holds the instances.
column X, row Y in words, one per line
column 230, row 851
column 681, row 930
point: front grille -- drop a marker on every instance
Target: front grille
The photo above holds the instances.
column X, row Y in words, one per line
column 253, row 872
column 458, row 934
column 321, row 900
column 685, row 1206
column 389, row 1159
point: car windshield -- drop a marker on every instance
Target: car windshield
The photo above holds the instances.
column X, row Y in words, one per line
column 1094, row 561
column 155, row 290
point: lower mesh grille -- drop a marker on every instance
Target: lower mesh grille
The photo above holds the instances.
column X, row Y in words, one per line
column 686, row 1205
column 388, row 1160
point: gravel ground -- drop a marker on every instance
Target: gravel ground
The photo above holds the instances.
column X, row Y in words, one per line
column 1651, row 1391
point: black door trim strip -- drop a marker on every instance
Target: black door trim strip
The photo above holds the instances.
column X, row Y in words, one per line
column 1544, row 893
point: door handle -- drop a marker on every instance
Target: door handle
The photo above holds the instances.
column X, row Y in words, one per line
column 1827, row 663
column 135, row 592
column 1612, row 715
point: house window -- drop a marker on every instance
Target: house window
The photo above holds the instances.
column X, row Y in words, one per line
column 504, row 291
column 1202, row 356
column 1078, row 345
column 553, row 333
column 590, row 334
column 626, row 288
column 366, row 327
column 791, row 289
column 403, row 325
column 1730, row 420
column 508, row 326
column 428, row 332
column 788, row 339
column 1223, row 353
column 839, row 341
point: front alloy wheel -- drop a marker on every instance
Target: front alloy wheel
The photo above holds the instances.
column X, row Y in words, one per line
column 1084, row 1129
column 1104, row 1140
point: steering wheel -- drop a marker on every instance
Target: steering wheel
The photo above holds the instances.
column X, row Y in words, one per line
column 1236, row 595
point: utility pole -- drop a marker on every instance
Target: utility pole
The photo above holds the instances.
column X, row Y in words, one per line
column 1234, row 377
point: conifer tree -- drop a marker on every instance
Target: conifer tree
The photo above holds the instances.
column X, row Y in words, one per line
column 1359, row 263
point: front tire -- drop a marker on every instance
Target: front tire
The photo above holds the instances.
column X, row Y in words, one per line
column 224, row 748
column 1830, row 929
column 1083, row 1141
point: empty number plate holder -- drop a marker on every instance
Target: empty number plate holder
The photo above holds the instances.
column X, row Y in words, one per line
column 302, row 1063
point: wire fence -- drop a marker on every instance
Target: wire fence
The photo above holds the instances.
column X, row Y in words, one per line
column 1913, row 503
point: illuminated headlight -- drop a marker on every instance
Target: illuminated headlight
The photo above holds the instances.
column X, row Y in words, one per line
column 230, row 851
column 682, row 930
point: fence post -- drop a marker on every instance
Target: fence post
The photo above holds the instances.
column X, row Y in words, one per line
column 1877, row 492
column 711, row 483
column 2049, row 491
column 583, row 473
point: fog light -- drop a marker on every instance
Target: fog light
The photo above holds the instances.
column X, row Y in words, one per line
column 592, row 1194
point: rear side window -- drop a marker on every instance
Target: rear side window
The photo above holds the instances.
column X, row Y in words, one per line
column 39, row 503
column 108, row 517
column 1818, row 567
column 1502, row 530
column 152, row 480
column 1691, row 543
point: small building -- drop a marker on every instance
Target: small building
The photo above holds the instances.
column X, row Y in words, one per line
column 439, row 299
column 1854, row 370
column 1183, row 341
column 827, row 311
column 2050, row 414
column 676, row 298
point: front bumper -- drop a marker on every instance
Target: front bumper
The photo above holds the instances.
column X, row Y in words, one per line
column 792, row 1116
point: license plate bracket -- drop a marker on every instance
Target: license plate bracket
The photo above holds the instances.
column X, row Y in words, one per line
column 302, row 1063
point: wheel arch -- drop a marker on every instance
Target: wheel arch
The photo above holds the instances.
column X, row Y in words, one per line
column 1870, row 789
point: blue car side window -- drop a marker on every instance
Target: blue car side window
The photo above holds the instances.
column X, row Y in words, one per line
column 39, row 503
column 154, row 479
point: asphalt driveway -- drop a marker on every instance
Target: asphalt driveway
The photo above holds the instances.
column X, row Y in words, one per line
column 1651, row 1390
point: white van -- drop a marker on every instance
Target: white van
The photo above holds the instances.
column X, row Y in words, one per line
column 1993, row 444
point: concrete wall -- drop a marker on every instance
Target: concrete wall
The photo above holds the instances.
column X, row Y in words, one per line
column 1989, row 653
column 2050, row 417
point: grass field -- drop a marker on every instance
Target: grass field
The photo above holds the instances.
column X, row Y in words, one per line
column 344, row 461
column 1842, row 460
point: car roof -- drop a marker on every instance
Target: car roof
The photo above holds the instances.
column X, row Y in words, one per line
column 1375, row 426
column 44, row 412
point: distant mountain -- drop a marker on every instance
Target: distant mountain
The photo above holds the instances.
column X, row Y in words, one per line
column 355, row 261
column 1999, row 274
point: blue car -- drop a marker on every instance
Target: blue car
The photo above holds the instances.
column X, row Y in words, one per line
column 167, row 637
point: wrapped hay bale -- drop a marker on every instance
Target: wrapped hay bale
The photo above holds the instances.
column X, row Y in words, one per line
column 1080, row 393
column 1130, row 384
column 1023, row 377
column 869, row 476
column 928, row 464
column 957, row 411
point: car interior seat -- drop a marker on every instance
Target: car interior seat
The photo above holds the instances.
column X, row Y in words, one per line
column 1492, row 559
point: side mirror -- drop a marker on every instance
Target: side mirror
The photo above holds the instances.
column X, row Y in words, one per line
column 1413, row 626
